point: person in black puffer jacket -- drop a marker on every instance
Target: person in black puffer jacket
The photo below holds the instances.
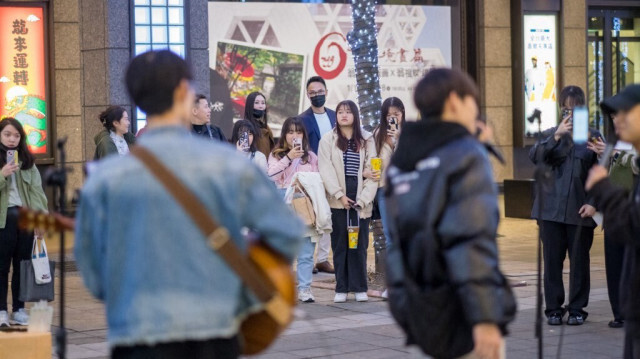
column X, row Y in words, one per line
column 445, row 286
column 622, row 216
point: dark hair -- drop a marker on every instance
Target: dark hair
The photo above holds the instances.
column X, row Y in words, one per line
column 245, row 126
column 24, row 154
column 316, row 79
column 111, row 115
column 200, row 97
column 248, row 110
column 433, row 90
column 282, row 148
column 573, row 94
column 153, row 77
column 343, row 142
column 381, row 131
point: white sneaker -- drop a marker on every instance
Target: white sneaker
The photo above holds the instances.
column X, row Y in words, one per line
column 4, row 319
column 20, row 317
column 385, row 294
column 340, row 298
column 305, row 296
column 361, row 297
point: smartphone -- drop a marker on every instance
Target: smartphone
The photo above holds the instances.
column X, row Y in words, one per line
column 244, row 141
column 580, row 125
column 565, row 112
column 393, row 122
column 297, row 142
column 12, row 156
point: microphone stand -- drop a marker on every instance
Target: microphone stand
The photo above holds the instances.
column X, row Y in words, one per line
column 56, row 177
column 541, row 175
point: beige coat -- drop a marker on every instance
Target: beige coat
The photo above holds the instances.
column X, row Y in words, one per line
column 386, row 152
column 331, row 166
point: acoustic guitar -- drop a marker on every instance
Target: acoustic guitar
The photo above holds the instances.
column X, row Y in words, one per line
column 273, row 281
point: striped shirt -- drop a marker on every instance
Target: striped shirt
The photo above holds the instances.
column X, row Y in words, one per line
column 351, row 160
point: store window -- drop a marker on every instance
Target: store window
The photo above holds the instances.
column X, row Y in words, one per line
column 158, row 25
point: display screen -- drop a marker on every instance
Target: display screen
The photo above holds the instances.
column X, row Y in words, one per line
column 540, row 72
column 23, row 73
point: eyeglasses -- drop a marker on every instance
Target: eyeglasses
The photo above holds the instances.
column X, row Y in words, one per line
column 314, row 94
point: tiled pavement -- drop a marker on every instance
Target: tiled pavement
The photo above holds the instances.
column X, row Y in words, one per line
column 366, row 330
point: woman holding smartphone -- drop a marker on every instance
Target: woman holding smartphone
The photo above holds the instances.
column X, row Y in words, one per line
column 292, row 155
column 115, row 138
column 20, row 186
column 386, row 137
column 255, row 110
column 344, row 155
column 244, row 135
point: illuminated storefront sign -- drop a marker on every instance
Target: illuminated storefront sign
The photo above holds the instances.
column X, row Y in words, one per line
column 23, row 72
column 540, row 72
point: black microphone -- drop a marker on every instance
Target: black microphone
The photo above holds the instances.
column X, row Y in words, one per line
column 495, row 152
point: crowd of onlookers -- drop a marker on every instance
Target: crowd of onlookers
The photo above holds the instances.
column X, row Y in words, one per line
column 333, row 145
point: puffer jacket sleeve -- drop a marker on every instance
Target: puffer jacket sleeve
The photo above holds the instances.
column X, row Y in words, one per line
column 467, row 230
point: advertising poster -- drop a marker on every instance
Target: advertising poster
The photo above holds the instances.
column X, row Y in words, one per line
column 276, row 74
column 540, row 72
column 22, row 72
column 411, row 41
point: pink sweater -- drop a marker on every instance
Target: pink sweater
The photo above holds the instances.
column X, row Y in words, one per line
column 281, row 171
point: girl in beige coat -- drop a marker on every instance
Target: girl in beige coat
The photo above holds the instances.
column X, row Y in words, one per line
column 344, row 156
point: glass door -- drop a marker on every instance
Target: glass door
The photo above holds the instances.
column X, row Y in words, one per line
column 613, row 56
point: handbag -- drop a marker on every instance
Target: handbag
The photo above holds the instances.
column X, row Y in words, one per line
column 302, row 205
column 621, row 172
column 40, row 261
column 36, row 276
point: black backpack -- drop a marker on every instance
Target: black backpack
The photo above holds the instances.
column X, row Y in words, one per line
column 432, row 316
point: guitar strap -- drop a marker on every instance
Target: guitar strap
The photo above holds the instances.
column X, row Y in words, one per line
column 218, row 236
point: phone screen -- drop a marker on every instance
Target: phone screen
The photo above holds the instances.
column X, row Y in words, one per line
column 580, row 125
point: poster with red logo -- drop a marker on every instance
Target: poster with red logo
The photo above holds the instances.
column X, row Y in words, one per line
column 304, row 40
column 22, row 72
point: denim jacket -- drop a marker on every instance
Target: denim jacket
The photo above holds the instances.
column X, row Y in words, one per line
column 141, row 254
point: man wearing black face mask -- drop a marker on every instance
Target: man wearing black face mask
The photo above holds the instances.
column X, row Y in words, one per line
column 319, row 120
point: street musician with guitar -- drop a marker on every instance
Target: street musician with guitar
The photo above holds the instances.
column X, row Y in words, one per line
column 159, row 235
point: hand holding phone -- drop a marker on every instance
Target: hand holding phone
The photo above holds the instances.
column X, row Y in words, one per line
column 243, row 143
column 296, row 151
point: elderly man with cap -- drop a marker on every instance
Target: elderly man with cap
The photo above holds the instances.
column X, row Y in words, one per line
column 622, row 215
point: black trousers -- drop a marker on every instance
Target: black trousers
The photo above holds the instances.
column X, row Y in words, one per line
column 15, row 246
column 557, row 240
column 206, row 349
column 613, row 259
column 632, row 340
column 350, row 264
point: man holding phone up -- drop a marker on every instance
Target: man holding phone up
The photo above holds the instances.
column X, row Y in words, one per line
column 565, row 217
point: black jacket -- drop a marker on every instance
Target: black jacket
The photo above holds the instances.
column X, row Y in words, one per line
column 564, row 193
column 209, row 131
column 622, row 219
column 443, row 209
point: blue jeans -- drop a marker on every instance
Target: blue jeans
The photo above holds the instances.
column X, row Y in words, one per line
column 383, row 216
column 304, row 270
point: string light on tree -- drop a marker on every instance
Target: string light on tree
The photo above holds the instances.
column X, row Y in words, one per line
column 364, row 48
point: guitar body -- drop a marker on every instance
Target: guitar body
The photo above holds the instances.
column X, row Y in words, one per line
column 259, row 330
